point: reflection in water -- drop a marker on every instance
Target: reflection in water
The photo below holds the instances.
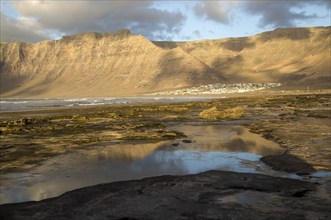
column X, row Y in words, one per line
column 128, row 152
column 80, row 169
column 244, row 198
column 228, row 139
column 203, row 138
column 210, row 147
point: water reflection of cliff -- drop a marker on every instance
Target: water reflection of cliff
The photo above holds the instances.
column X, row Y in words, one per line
column 207, row 148
column 227, row 139
column 204, row 138
column 127, row 152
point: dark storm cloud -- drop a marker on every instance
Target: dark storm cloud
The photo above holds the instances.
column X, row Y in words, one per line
column 70, row 17
column 282, row 13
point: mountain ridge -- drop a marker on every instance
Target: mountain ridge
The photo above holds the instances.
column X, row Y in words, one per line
column 121, row 63
column 243, row 58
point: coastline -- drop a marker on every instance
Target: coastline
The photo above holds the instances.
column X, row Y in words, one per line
column 208, row 195
column 272, row 116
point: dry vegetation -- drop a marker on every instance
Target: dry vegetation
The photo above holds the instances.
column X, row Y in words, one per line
column 299, row 123
column 213, row 113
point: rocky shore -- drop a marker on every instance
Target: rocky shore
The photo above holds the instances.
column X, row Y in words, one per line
column 300, row 124
column 209, row 195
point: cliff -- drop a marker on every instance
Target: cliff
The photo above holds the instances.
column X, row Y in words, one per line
column 120, row 63
column 299, row 57
column 95, row 64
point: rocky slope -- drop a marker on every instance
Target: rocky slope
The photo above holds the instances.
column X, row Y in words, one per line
column 299, row 57
column 95, row 64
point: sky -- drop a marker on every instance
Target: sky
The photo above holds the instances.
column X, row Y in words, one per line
column 33, row 21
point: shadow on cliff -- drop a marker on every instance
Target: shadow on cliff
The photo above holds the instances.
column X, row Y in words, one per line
column 229, row 63
column 8, row 82
column 13, row 85
column 178, row 69
column 286, row 33
column 33, row 90
column 237, row 44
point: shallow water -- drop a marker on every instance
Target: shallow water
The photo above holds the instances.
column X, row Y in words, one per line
column 18, row 105
column 214, row 147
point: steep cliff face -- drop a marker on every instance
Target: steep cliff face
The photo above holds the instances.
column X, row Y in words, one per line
column 95, row 64
column 296, row 56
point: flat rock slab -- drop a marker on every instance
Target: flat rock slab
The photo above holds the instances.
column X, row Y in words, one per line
column 288, row 163
column 208, row 195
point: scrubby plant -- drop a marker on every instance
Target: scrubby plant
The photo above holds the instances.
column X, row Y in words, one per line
column 213, row 113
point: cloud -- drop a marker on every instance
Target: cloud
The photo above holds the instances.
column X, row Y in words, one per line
column 70, row 17
column 274, row 13
column 282, row 13
column 48, row 19
column 23, row 30
column 218, row 11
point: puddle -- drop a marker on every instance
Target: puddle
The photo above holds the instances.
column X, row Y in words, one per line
column 214, row 147
column 245, row 198
column 227, row 139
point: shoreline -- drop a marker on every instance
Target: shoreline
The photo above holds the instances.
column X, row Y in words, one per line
column 207, row 195
column 268, row 91
column 155, row 99
column 305, row 116
column 255, row 107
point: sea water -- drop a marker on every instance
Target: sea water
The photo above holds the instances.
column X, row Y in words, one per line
column 17, row 105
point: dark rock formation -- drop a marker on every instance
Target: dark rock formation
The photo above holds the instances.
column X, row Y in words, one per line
column 288, row 163
column 209, row 195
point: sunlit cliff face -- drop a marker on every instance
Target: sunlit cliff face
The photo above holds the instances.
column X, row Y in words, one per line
column 103, row 65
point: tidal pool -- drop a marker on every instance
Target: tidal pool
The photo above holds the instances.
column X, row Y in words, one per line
column 207, row 147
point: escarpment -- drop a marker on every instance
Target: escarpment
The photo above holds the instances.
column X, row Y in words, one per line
column 120, row 63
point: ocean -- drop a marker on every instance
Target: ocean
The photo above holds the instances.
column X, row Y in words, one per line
column 18, row 105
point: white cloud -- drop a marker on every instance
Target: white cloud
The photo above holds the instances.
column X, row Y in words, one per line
column 70, row 17
column 46, row 19
column 274, row 13
column 282, row 13
column 23, row 29
column 218, row 11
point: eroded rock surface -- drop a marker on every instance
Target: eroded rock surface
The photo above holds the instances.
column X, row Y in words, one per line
column 209, row 195
column 288, row 163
